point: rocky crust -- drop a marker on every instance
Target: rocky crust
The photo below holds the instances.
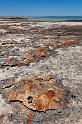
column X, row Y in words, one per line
column 40, row 72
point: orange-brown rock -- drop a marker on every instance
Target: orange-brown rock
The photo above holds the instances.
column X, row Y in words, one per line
column 16, row 31
column 64, row 42
column 68, row 41
column 29, row 117
column 35, row 54
column 40, row 95
column 13, row 62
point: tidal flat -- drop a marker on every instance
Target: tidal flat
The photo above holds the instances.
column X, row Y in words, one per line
column 40, row 71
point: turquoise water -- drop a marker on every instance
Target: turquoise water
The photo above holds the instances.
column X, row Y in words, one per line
column 57, row 18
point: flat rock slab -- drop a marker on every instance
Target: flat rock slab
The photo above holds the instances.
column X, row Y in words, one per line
column 40, row 72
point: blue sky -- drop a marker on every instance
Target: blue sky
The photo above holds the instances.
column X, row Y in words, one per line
column 40, row 7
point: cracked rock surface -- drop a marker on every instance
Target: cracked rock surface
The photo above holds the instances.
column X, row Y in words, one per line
column 40, row 72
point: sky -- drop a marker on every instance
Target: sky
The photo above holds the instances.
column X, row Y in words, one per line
column 40, row 7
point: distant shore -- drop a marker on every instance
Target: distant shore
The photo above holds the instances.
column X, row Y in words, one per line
column 45, row 18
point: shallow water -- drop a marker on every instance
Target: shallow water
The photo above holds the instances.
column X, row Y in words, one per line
column 57, row 18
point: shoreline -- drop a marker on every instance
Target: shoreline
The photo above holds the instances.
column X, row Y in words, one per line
column 43, row 18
